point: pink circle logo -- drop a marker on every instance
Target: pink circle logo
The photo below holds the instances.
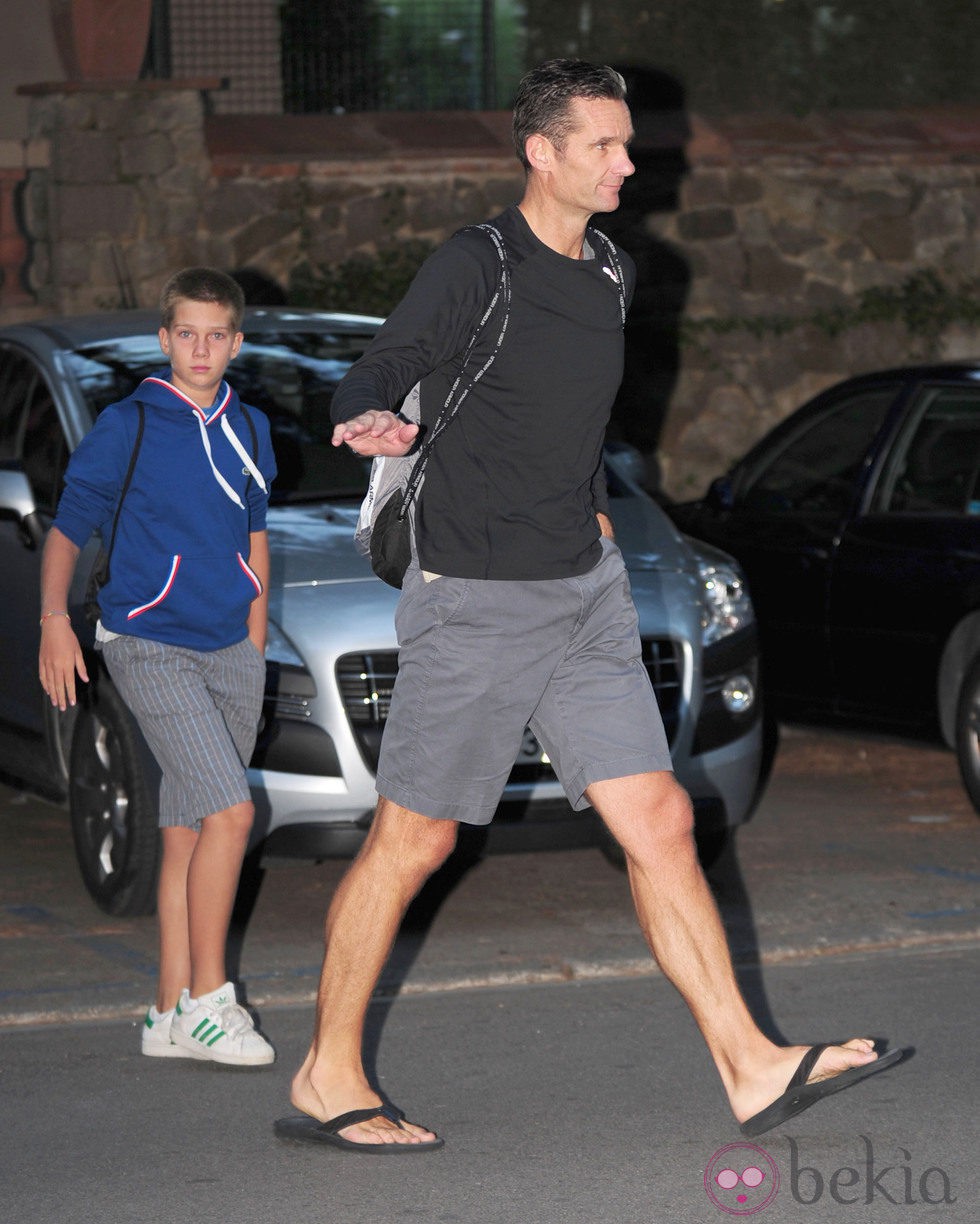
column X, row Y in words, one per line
column 741, row 1179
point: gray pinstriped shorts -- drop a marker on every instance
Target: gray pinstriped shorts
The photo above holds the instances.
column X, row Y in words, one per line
column 199, row 713
column 481, row 660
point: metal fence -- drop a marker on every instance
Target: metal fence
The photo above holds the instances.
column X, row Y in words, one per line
column 357, row 55
column 309, row 56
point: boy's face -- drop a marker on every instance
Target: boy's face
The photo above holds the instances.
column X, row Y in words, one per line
column 199, row 344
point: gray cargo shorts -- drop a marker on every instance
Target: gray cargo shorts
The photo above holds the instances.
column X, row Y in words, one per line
column 199, row 713
column 479, row 661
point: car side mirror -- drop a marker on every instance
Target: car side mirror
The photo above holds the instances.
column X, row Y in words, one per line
column 17, row 503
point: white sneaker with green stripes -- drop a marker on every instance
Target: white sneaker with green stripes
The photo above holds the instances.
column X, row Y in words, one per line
column 217, row 1029
column 155, row 1036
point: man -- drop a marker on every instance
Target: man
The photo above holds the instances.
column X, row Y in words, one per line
column 518, row 612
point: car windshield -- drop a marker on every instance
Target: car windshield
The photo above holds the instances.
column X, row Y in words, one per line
column 290, row 375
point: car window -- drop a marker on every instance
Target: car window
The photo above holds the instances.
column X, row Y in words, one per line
column 935, row 466
column 44, row 451
column 815, row 467
column 290, row 375
column 18, row 378
column 30, row 431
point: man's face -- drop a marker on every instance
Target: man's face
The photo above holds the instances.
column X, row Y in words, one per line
column 199, row 343
column 588, row 173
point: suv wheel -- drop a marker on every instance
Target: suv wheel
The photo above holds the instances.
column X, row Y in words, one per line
column 968, row 733
column 112, row 807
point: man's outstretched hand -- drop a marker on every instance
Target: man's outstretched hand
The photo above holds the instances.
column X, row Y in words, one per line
column 376, row 433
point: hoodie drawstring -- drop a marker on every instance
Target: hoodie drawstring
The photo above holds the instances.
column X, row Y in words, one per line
column 217, row 475
column 243, row 454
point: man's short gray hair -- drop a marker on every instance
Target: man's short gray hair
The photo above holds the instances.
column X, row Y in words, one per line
column 545, row 93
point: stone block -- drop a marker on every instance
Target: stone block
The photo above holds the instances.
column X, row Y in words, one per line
column 767, row 272
column 434, row 208
column 83, row 157
column 103, row 210
column 824, row 295
column 705, row 189
column 365, row 220
column 940, row 218
column 706, row 224
column 262, row 233
column 795, row 240
column 149, row 155
column 724, row 262
column 754, row 227
column 231, row 205
column 745, row 187
column 891, row 239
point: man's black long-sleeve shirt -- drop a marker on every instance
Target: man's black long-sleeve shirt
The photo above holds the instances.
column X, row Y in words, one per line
column 513, row 485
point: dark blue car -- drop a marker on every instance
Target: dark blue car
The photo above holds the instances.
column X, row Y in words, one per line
column 857, row 522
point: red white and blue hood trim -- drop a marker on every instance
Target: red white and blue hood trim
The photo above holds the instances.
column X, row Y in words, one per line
column 205, row 418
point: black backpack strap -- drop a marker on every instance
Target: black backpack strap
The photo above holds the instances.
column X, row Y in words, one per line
column 255, row 442
column 126, row 483
column 613, row 256
column 461, row 388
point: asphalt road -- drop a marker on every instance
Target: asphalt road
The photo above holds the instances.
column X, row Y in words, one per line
column 521, row 1018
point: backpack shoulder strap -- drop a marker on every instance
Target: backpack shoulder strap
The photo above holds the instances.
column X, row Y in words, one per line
column 127, row 482
column 464, row 384
column 614, row 259
column 255, row 442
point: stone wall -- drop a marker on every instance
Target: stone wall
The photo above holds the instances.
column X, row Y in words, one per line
column 792, row 222
column 748, row 218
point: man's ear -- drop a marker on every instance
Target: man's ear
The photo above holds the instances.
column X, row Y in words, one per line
column 164, row 337
column 540, row 152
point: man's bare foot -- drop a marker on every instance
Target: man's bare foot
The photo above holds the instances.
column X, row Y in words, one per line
column 821, row 1071
column 344, row 1096
column 749, row 1097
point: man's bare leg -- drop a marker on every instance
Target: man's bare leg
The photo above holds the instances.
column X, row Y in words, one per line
column 650, row 816
column 401, row 851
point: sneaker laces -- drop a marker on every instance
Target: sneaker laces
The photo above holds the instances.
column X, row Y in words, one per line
column 234, row 1019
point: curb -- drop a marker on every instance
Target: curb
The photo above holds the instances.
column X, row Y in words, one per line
column 564, row 974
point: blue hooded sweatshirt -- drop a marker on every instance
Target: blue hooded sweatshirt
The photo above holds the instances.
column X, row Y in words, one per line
column 179, row 570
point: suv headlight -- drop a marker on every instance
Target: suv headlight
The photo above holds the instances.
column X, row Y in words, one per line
column 725, row 603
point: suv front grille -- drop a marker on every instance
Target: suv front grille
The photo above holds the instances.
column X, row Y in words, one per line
column 664, row 660
column 365, row 682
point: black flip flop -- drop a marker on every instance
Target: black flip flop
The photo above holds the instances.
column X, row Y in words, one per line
column 800, row 1095
column 304, row 1129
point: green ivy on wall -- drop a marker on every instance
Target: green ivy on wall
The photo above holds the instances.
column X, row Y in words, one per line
column 924, row 304
column 363, row 284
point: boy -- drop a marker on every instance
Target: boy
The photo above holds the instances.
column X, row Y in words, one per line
column 182, row 631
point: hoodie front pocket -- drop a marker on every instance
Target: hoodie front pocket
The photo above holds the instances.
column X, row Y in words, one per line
column 202, row 590
column 162, row 593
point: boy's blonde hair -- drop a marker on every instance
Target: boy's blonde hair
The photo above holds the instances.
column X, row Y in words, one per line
column 202, row 285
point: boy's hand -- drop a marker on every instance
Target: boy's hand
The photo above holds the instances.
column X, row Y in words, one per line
column 60, row 658
column 376, row 433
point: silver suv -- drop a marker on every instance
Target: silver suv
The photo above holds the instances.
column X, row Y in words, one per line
column 332, row 654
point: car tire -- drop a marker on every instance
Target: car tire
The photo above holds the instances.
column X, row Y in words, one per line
column 968, row 733
column 112, row 805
